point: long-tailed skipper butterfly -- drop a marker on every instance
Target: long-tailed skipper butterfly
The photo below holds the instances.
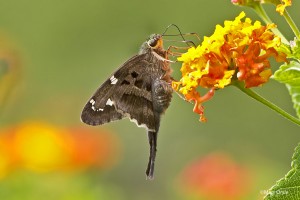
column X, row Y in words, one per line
column 140, row 90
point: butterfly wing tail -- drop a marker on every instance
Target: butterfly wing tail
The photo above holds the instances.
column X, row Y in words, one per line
column 152, row 137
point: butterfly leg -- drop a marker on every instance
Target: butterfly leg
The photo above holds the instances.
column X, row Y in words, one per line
column 152, row 136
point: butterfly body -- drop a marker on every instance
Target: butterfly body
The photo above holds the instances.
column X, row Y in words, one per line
column 140, row 90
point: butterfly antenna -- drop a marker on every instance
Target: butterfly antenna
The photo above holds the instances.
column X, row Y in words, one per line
column 152, row 137
column 180, row 33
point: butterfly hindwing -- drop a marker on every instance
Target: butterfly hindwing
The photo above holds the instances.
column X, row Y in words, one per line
column 92, row 117
column 138, row 109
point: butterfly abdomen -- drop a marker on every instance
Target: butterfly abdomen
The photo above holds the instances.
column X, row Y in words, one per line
column 162, row 95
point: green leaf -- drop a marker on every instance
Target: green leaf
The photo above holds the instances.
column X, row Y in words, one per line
column 291, row 50
column 288, row 188
column 295, row 46
column 289, row 74
column 285, row 48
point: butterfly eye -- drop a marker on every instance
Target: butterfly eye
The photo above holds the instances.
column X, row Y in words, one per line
column 152, row 42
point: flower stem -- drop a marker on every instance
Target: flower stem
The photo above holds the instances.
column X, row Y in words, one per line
column 263, row 15
column 262, row 100
column 292, row 24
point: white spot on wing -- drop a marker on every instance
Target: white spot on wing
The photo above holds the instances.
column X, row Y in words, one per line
column 109, row 102
column 113, row 80
column 92, row 101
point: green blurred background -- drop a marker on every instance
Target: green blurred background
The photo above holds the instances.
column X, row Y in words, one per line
column 68, row 48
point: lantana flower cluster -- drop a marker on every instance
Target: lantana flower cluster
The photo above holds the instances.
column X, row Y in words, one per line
column 239, row 50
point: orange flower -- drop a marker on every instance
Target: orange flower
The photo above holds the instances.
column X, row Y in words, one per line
column 8, row 158
column 215, row 177
column 90, row 148
column 237, row 51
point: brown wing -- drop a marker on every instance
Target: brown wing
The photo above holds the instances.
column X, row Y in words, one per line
column 127, row 93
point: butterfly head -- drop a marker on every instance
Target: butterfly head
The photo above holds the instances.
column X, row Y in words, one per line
column 155, row 41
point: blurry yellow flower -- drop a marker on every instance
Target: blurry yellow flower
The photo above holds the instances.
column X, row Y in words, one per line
column 41, row 146
column 238, row 50
column 281, row 7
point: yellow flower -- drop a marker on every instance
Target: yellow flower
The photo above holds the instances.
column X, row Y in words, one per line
column 238, row 50
column 281, row 7
column 41, row 147
column 225, row 80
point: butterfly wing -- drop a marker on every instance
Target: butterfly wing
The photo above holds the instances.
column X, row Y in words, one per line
column 127, row 93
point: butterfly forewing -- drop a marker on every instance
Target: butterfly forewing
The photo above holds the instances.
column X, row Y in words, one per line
column 127, row 93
